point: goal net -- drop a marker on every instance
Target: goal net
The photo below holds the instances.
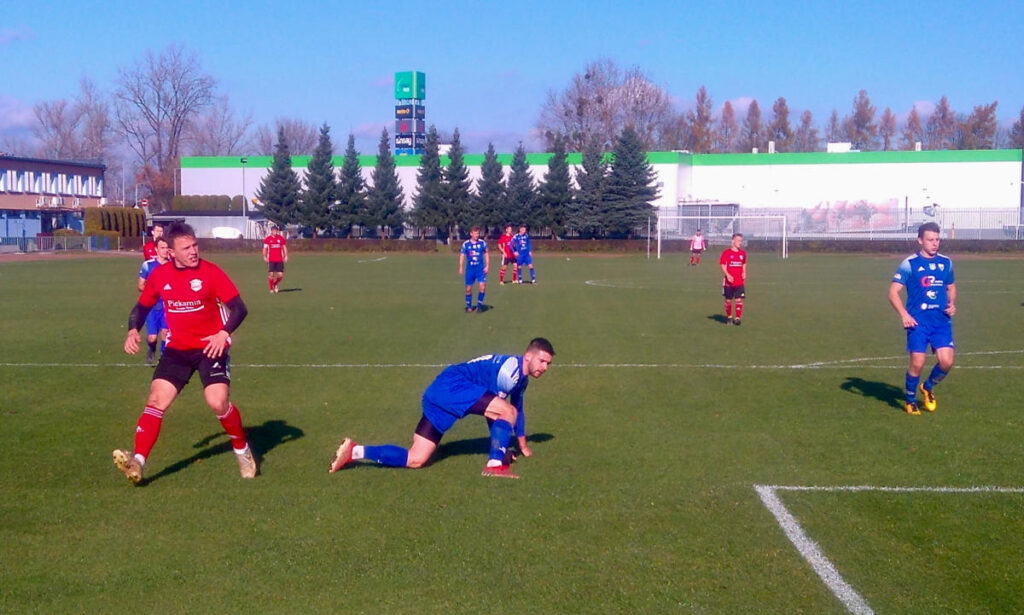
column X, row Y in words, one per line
column 719, row 230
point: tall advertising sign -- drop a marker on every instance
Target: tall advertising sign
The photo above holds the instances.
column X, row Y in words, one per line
column 410, row 113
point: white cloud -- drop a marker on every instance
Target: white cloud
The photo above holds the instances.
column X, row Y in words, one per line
column 10, row 35
column 14, row 114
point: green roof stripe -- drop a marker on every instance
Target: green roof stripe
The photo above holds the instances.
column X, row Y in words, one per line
column 673, row 157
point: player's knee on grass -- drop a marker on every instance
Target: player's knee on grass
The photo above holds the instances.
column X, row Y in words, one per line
column 420, row 452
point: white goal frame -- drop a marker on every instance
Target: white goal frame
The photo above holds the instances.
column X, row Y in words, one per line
column 704, row 222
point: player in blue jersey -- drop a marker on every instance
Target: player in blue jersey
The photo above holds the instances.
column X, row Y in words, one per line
column 523, row 250
column 474, row 261
column 492, row 386
column 156, row 324
column 927, row 317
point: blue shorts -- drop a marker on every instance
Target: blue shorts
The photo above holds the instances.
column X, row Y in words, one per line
column 475, row 274
column 449, row 398
column 155, row 319
column 524, row 259
column 938, row 334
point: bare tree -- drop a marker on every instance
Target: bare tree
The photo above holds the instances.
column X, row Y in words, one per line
column 978, row 130
column 728, row 133
column 300, row 136
column 599, row 102
column 218, row 132
column 834, row 130
column 701, row 123
column 155, row 101
column 806, row 137
column 940, row 129
column 860, row 128
column 57, row 123
column 1017, row 132
column 97, row 129
column 912, row 132
column 752, row 133
column 779, row 129
column 887, row 129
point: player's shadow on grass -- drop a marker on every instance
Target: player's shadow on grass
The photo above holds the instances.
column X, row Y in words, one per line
column 882, row 391
column 478, row 446
column 719, row 318
column 262, row 439
column 290, row 290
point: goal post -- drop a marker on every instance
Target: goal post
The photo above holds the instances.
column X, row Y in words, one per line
column 720, row 229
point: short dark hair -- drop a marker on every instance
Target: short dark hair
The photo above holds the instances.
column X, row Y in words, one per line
column 735, row 235
column 161, row 239
column 927, row 226
column 156, row 224
column 178, row 229
column 475, row 227
column 542, row 344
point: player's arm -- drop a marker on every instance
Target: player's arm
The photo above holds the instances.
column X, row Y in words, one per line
column 744, row 272
column 951, row 300
column 216, row 343
column 897, row 304
column 142, row 283
column 462, row 262
column 136, row 320
column 725, row 272
column 520, row 428
column 487, row 260
column 266, row 253
column 284, row 252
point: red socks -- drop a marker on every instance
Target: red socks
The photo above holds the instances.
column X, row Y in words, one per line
column 232, row 424
column 728, row 309
column 739, row 309
column 270, row 282
column 148, row 430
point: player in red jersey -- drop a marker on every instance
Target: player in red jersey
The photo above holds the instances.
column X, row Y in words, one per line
column 275, row 252
column 734, row 268
column 149, row 248
column 508, row 257
column 202, row 308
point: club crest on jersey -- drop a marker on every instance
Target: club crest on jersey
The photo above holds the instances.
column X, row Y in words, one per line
column 942, row 266
column 931, row 266
column 196, row 285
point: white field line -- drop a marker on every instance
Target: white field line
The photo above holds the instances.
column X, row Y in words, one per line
column 837, row 364
column 373, row 260
column 812, row 552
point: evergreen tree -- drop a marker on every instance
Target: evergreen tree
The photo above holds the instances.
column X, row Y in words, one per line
column 701, row 123
column 458, row 201
column 350, row 207
column 860, row 128
column 940, row 129
column 321, row 187
column 279, row 189
column 591, row 177
column 429, row 200
column 522, row 195
column 728, row 134
column 384, row 198
column 556, row 189
column 806, row 137
column 752, row 133
column 631, row 187
column 779, row 129
column 490, row 204
column 913, row 133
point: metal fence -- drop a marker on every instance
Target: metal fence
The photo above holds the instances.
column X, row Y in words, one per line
column 74, row 243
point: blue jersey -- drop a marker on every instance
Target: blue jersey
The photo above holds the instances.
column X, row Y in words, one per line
column 474, row 252
column 459, row 386
column 521, row 244
column 148, row 267
column 926, row 280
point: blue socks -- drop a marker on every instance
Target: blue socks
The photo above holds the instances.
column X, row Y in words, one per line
column 501, row 434
column 469, row 299
column 912, row 388
column 480, row 298
column 533, row 276
column 935, row 377
column 387, row 455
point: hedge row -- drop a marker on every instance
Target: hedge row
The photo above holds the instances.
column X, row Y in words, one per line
column 207, row 203
column 123, row 221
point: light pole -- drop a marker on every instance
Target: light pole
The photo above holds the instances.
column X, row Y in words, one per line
column 243, row 161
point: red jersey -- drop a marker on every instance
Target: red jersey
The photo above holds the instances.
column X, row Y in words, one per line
column 275, row 248
column 149, row 250
column 194, row 300
column 734, row 260
column 505, row 246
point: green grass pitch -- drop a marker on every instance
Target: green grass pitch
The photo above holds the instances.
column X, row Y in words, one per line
column 650, row 433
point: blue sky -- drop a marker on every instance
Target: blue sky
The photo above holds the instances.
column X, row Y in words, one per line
column 489, row 64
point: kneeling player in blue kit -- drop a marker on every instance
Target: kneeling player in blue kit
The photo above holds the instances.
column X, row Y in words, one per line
column 492, row 386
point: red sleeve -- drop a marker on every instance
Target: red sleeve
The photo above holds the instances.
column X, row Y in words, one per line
column 222, row 284
column 722, row 260
column 149, row 295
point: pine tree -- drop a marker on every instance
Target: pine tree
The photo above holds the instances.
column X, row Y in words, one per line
column 522, row 195
column 458, row 202
column 631, row 187
column 779, row 129
column 429, row 200
column 384, row 198
column 321, row 187
column 556, row 189
column 350, row 207
column 279, row 189
column 591, row 177
column 490, row 204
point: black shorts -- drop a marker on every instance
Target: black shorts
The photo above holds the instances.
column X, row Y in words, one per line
column 697, row 250
column 734, row 292
column 507, row 260
column 177, row 367
column 277, row 267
